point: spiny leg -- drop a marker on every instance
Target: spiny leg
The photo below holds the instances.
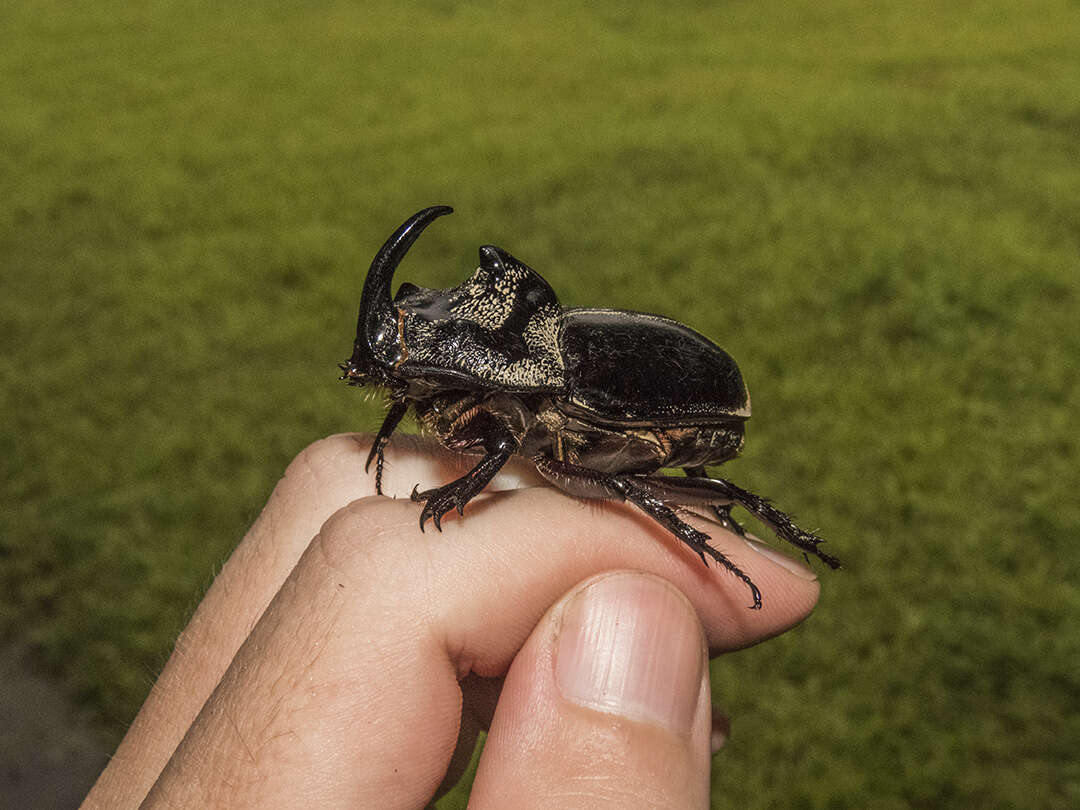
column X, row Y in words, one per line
column 499, row 445
column 723, row 515
column 779, row 522
column 393, row 417
column 707, row 491
column 584, row 482
column 722, row 511
column 638, row 492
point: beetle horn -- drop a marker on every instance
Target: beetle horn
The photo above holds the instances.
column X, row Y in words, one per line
column 376, row 296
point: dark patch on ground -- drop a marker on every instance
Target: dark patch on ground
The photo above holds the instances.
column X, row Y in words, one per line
column 50, row 753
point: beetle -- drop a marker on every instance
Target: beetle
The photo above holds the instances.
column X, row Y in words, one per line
column 599, row 400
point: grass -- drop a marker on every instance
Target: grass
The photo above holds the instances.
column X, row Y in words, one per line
column 874, row 207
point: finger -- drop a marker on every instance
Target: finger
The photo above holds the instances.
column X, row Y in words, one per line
column 323, row 478
column 607, row 705
column 348, row 690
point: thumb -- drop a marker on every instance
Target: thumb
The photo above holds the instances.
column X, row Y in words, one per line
column 606, row 705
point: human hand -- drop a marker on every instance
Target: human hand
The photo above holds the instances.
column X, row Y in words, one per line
column 355, row 668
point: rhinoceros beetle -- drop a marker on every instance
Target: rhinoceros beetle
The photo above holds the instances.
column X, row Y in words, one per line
column 599, row 400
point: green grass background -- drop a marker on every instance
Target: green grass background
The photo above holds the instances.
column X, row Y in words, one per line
column 875, row 207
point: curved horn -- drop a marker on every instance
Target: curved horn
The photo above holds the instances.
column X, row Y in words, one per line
column 376, row 293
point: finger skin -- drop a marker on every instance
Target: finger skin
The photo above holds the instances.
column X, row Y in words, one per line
column 519, row 547
column 322, row 479
column 347, row 690
column 547, row 750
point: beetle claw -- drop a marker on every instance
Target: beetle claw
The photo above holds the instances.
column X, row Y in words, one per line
column 437, row 502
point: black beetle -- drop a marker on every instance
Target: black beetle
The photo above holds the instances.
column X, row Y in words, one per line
column 598, row 399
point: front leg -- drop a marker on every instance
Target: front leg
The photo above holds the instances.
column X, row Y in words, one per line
column 393, row 417
column 499, row 443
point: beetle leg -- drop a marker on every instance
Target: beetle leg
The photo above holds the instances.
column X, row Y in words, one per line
column 641, row 495
column 723, row 515
column 707, row 491
column 584, row 482
column 393, row 417
column 499, row 445
column 581, row 482
column 722, row 511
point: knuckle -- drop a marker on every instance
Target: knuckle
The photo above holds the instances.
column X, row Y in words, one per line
column 329, row 452
column 365, row 537
column 323, row 462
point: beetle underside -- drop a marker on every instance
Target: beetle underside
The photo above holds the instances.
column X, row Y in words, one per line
column 598, row 400
column 502, row 425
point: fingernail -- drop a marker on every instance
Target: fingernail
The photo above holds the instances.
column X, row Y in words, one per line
column 631, row 645
column 792, row 565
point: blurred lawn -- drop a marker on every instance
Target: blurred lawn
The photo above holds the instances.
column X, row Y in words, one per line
column 874, row 207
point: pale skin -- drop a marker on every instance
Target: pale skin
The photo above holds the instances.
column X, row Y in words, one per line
column 343, row 659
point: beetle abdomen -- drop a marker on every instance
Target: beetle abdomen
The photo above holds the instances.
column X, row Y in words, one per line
column 632, row 367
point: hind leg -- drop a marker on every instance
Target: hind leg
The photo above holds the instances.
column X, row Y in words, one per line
column 712, row 491
column 721, row 511
column 584, row 482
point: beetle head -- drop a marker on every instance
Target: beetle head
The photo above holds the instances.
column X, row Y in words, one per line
column 376, row 349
